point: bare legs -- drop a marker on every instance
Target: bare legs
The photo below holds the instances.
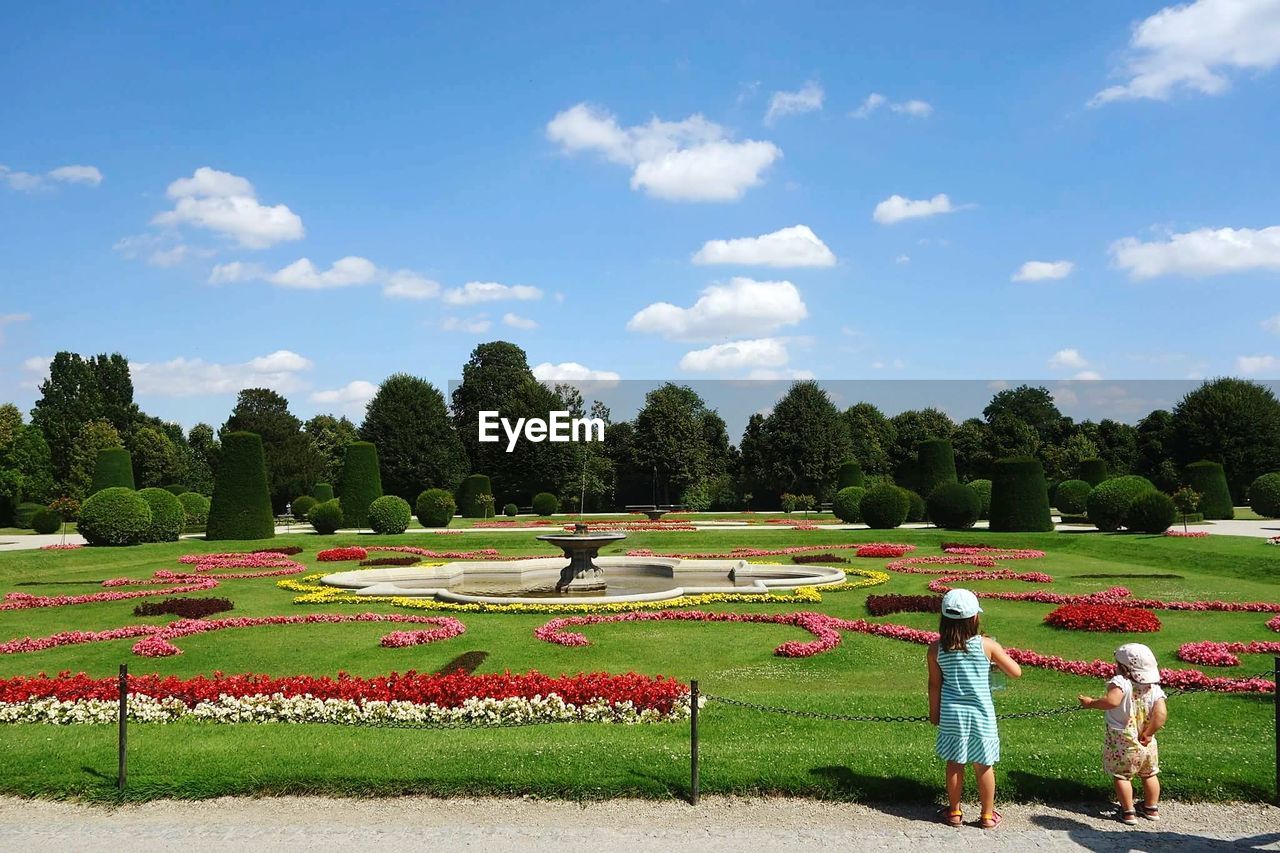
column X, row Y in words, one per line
column 986, row 779
column 1150, row 792
column 1124, row 793
column 955, row 784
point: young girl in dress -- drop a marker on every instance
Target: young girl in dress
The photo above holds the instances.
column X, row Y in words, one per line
column 960, row 703
column 1135, row 706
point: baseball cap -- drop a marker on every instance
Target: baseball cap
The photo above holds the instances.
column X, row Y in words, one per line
column 1140, row 661
column 960, row 604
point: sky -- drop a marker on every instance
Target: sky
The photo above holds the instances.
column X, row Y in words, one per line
column 311, row 197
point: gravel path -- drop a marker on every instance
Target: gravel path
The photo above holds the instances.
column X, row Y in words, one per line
column 637, row 826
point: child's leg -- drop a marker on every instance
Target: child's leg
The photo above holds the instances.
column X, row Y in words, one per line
column 1124, row 793
column 986, row 777
column 1151, row 790
column 955, row 783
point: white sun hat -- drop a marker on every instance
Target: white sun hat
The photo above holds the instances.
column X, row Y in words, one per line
column 1140, row 661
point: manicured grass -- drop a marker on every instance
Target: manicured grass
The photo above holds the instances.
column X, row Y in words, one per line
column 1216, row 746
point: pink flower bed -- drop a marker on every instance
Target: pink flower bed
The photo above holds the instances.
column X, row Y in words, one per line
column 1209, row 653
column 636, row 525
column 481, row 553
column 60, row 547
column 995, row 553
column 740, row 553
column 1186, row 534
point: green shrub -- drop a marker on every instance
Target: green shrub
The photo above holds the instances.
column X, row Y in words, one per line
column 1264, row 495
column 389, row 514
column 1072, row 497
column 850, row 475
column 322, row 492
column 195, row 507
column 469, row 503
column 176, row 489
column 510, row 510
column 168, row 518
column 884, row 507
column 1019, row 496
column 360, row 485
column 846, row 504
column 935, row 465
column 435, row 508
column 917, row 508
column 1092, row 471
column 24, row 513
column 241, row 504
column 114, row 516
column 300, row 507
column 1151, row 512
column 954, row 506
column 545, row 503
column 46, row 521
column 1210, row 481
column 982, row 488
column 326, row 517
column 1109, row 502
column 113, row 467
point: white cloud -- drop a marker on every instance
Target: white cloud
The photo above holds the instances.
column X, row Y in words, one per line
column 896, row 208
column 1068, row 358
column 571, row 371
column 76, row 174
column 902, row 259
column 344, row 272
column 228, row 205
column 187, row 377
column 796, row 246
column 1089, row 375
column 236, row 271
column 689, row 160
column 515, row 321
column 28, row 182
column 808, row 99
column 352, row 397
column 873, row 102
column 36, row 370
column 914, row 107
column 1252, row 365
column 881, row 364
column 1272, row 324
column 744, row 306
column 763, row 353
column 474, row 325
column 474, row 292
column 1043, row 270
column 407, row 284
column 1204, row 252
column 784, row 373
column 1195, row 47
column 351, row 271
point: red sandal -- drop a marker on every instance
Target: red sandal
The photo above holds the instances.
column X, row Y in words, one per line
column 990, row 821
column 951, row 817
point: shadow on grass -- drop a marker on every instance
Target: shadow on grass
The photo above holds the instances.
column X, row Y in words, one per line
column 1021, row 785
column 893, row 795
column 1124, row 838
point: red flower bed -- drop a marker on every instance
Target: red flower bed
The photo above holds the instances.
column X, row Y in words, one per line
column 478, row 554
column 883, row 549
column 883, row 605
column 339, row 555
column 187, row 608
column 392, row 561
column 1103, row 617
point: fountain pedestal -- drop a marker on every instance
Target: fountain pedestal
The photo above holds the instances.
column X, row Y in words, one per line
column 581, row 547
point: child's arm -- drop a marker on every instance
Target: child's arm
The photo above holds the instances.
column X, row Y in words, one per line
column 1112, row 699
column 997, row 655
column 1155, row 722
column 935, row 685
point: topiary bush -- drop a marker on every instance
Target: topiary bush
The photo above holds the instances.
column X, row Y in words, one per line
column 168, row 518
column 511, row 510
column 389, row 514
column 1210, row 481
column 1151, row 512
column 884, row 507
column 954, row 506
column 326, row 517
column 196, row 508
column 360, row 485
column 46, row 521
column 113, row 467
column 300, row 507
column 935, row 465
column 322, row 492
column 1072, row 497
column 982, row 488
column 1264, row 495
column 241, row 504
column 1092, row 471
column 1109, row 502
column 1019, row 496
column 846, row 504
column 114, row 516
column 24, row 513
column 545, row 503
column 850, row 475
column 176, row 489
column 917, row 508
column 469, row 503
column 435, row 508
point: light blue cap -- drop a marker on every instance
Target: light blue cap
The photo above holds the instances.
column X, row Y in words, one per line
column 960, row 604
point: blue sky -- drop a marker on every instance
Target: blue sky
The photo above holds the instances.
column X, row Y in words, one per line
column 550, row 174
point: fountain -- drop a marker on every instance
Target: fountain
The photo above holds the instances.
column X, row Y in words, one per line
column 581, row 547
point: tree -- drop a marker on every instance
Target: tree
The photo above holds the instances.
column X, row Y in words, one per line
column 293, row 462
column 69, row 399
column 29, row 456
column 1155, row 443
column 873, row 437
column 970, row 442
column 1033, row 406
column 92, row 437
column 10, row 424
column 1009, row 435
column 1232, row 421
column 331, row 436
column 155, row 459
column 115, row 391
column 669, row 439
column 914, row 426
column 417, row 446
column 805, row 439
column 204, row 458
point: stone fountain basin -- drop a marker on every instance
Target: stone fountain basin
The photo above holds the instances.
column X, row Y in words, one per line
column 659, row 578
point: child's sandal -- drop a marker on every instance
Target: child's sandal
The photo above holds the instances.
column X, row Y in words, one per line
column 951, row 817
column 1151, row 812
column 1128, row 816
column 990, row 821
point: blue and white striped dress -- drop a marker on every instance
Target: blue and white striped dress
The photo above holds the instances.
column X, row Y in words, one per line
column 967, row 725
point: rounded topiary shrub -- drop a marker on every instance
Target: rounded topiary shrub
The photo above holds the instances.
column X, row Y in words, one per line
column 1109, row 502
column 511, row 510
column 1092, row 471
column 46, row 521
column 361, row 483
column 196, row 508
column 954, row 506
column 850, row 475
column 884, row 506
column 300, row 507
column 322, row 492
column 1019, row 496
column 168, row 518
column 114, row 516
column 1264, row 495
column 326, row 517
column 1072, row 497
column 113, row 467
column 176, row 489
column 846, row 504
column 24, row 513
column 241, row 505
column 389, row 514
column 469, row 503
column 435, row 508
column 545, row 503
column 982, row 488
column 935, row 465
column 1151, row 512
column 1210, row 481
column 917, row 508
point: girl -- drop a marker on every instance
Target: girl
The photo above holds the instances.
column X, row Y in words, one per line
column 1136, row 710
column 960, row 703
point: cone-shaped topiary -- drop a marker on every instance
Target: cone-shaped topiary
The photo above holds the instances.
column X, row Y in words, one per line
column 885, row 506
column 360, row 485
column 1019, row 496
column 469, row 503
column 1210, row 481
column 435, row 508
column 954, row 506
column 241, row 504
column 322, row 492
column 114, row 516
column 1092, row 471
column 1264, row 495
column 983, row 490
column 850, row 475
column 545, row 503
column 1151, row 512
column 326, row 518
column 114, row 467
column 168, row 518
column 846, row 504
column 389, row 514
column 1072, row 497
column 196, row 508
column 1110, row 500
column 301, row 506
column 935, row 465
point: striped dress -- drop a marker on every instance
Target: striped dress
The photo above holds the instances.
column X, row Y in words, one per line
column 967, row 725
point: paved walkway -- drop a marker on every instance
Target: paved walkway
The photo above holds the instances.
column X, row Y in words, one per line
column 637, row 826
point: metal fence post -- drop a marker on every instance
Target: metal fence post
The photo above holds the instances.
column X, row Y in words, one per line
column 693, row 742
column 122, row 769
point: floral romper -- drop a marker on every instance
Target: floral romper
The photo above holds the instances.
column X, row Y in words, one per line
column 1122, row 755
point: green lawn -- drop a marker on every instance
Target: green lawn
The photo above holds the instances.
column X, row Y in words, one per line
column 1216, row 746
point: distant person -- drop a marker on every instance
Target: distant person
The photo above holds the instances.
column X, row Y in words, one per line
column 960, row 703
column 1135, row 706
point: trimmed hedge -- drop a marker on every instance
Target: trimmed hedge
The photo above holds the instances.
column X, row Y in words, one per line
column 982, row 488
column 545, row 503
column 850, row 475
column 241, row 504
column 361, row 483
column 435, row 508
column 917, row 509
column 1072, row 497
column 511, row 510
column 176, row 489
column 113, row 467
column 322, row 492
column 46, row 521
column 845, row 505
column 954, row 506
column 1109, row 502
column 326, row 517
column 301, row 506
column 389, row 514
column 1210, row 481
column 168, row 518
column 195, row 507
column 114, row 516
column 884, row 507
column 935, row 465
column 1264, row 495
column 1092, row 471
column 469, row 503
column 1019, row 496
column 24, row 513
column 1151, row 512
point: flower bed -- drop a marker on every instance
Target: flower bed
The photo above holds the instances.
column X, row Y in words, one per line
column 1103, row 617
column 740, row 553
column 61, row 547
column 994, row 553
column 341, row 555
column 479, row 554
column 1186, row 534
column 187, row 608
column 284, row 550
column 884, row 605
column 602, row 526
column 883, row 549
column 804, row 559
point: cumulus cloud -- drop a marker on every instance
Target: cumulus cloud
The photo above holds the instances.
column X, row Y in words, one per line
column 744, row 306
column 896, row 208
column 344, row 272
column 571, row 371
column 689, row 160
column 352, row 398
column 35, row 370
column 72, row 174
column 787, row 373
column 808, row 99
column 1254, row 365
column 1272, row 324
column 762, row 353
column 1068, row 358
column 1043, row 270
column 407, row 284
column 515, row 321
column 1204, row 252
column 474, row 292
column 351, row 271
column 474, row 325
column 914, row 107
column 158, row 250
column 796, row 246
column 187, row 377
column 228, row 205
column 1197, row 47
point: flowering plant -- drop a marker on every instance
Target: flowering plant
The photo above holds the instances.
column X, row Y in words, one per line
column 1103, row 617
column 338, row 555
column 72, row 547
column 883, row 549
column 1186, row 534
